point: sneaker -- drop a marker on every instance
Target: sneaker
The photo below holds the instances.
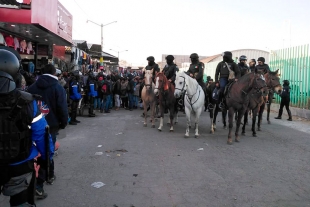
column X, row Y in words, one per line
column 40, row 194
column 51, row 180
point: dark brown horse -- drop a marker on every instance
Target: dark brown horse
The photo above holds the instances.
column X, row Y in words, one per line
column 256, row 99
column 238, row 99
column 273, row 83
column 165, row 90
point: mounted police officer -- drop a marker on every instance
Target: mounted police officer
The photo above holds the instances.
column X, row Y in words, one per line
column 75, row 95
column 226, row 72
column 244, row 69
column 262, row 68
column 252, row 65
column 152, row 66
column 22, row 134
column 170, row 69
column 196, row 70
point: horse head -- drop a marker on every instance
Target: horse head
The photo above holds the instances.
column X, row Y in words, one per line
column 180, row 84
column 148, row 79
column 161, row 83
column 259, row 83
column 273, row 81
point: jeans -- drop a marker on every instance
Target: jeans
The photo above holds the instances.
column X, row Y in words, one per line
column 117, row 101
column 223, row 83
column 136, row 101
column 131, row 100
column 97, row 103
column 106, row 103
column 111, row 101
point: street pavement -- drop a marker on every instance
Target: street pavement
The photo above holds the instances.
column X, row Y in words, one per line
column 142, row 167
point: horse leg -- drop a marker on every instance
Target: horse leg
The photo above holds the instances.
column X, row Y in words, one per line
column 171, row 118
column 197, row 115
column 245, row 120
column 216, row 111
column 211, row 118
column 161, row 117
column 254, row 121
column 231, row 113
column 240, row 116
column 153, row 113
column 268, row 108
column 188, row 124
column 260, row 116
column 145, row 113
column 224, row 115
column 176, row 117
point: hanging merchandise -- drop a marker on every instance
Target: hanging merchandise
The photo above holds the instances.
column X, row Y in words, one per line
column 16, row 43
column 2, row 41
column 29, row 47
column 23, row 45
column 9, row 41
column 84, row 56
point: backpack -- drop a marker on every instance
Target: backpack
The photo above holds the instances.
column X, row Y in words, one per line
column 104, row 88
column 215, row 93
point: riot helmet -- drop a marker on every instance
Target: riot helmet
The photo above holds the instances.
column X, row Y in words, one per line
column 150, row 60
column 286, row 83
column 194, row 58
column 169, row 59
column 243, row 57
column 9, row 63
column 227, row 56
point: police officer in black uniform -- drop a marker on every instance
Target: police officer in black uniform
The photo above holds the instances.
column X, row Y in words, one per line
column 92, row 92
column 252, row 65
column 196, row 70
column 22, row 134
column 285, row 101
column 170, row 69
column 244, row 69
column 262, row 68
column 75, row 96
column 152, row 66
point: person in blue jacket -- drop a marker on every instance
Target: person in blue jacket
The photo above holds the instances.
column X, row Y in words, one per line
column 74, row 95
column 92, row 93
column 22, row 134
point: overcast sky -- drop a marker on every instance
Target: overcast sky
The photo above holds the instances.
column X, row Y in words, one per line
column 207, row 27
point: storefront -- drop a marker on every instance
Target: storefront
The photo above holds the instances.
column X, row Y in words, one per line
column 34, row 28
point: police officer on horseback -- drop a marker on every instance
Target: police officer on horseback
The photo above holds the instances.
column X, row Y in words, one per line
column 244, row 69
column 152, row 66
column 196, row 70
column 262, row 68
column 226, row 73
column 22, row 134
column 170, row 69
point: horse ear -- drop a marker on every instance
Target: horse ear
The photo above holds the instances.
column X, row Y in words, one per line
column 276, row 71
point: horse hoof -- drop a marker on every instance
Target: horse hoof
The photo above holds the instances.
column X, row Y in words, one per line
column 159, row 130
column 171, row 130
column 237, row 140
column 254, row 135
column 258, row 129
column 190, row 127
column 229, row 142
column 243, row 133
column 145, row 125
column 186, row 136
column 153, row 126
column 269, row 122
column 175, row 122
column 211, row 132
column 197, row 136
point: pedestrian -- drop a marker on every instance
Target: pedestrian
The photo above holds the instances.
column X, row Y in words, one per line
column 130, row 91
column 136, row 92
column 22, row 135
column 92, row 93
column 124, row 94
column 53, row 106
column 117, row 92
column 285, row 101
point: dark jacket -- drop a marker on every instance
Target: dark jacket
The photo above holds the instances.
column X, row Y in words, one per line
column 223, row 72
column 197, row 70
column 54, row 96
column 117, row 87
column 170, row 71
column 285, row 95
column 244, row 69
column 252, row 69
column 131, row 84
column 262, row 69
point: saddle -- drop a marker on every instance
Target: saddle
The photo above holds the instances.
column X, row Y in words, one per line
column 227, row 88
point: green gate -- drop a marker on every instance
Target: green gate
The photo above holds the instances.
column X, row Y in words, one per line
column 294, row 65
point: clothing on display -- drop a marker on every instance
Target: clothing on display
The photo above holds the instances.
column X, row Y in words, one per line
column 29, row 47
column 16, row 43
column 9, row 41
column 23, row 45
column 2, row 41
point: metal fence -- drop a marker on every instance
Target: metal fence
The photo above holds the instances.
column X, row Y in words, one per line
column 294, row 65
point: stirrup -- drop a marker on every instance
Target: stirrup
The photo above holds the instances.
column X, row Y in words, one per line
column 222, row 105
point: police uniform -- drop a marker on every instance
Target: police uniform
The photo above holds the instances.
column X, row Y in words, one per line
column 197, row 70
column 285, row 100
column 22, row 135
column 92, row 93
column 75, row 96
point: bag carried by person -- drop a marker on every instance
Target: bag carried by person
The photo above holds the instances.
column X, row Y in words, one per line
column 215, row 93
column 231, row 73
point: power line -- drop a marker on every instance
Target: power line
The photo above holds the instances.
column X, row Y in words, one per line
column 81, row 8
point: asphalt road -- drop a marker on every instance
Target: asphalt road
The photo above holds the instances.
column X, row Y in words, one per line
column 163, row 169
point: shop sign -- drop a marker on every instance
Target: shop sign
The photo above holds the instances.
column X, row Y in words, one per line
column 59, row 52
column 64, row 18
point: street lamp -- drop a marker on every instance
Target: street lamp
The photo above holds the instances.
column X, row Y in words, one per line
column 101, row 25
column 118, row 52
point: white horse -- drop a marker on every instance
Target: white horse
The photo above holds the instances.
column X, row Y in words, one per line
column 193, row 99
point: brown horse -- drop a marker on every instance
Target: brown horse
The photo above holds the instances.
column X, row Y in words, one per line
column 165, row 90
column 273, row 83
column 148, row 96
column 256, row 99
column 238, row 99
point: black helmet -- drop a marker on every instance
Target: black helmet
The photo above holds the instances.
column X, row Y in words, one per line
column 262, row 59
column 242, row 57
column 286, row 83
column 194, row 55
column 9, row 63
column 7, row 83
column 169, row 57
column 150, row 58
column 76, row 73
